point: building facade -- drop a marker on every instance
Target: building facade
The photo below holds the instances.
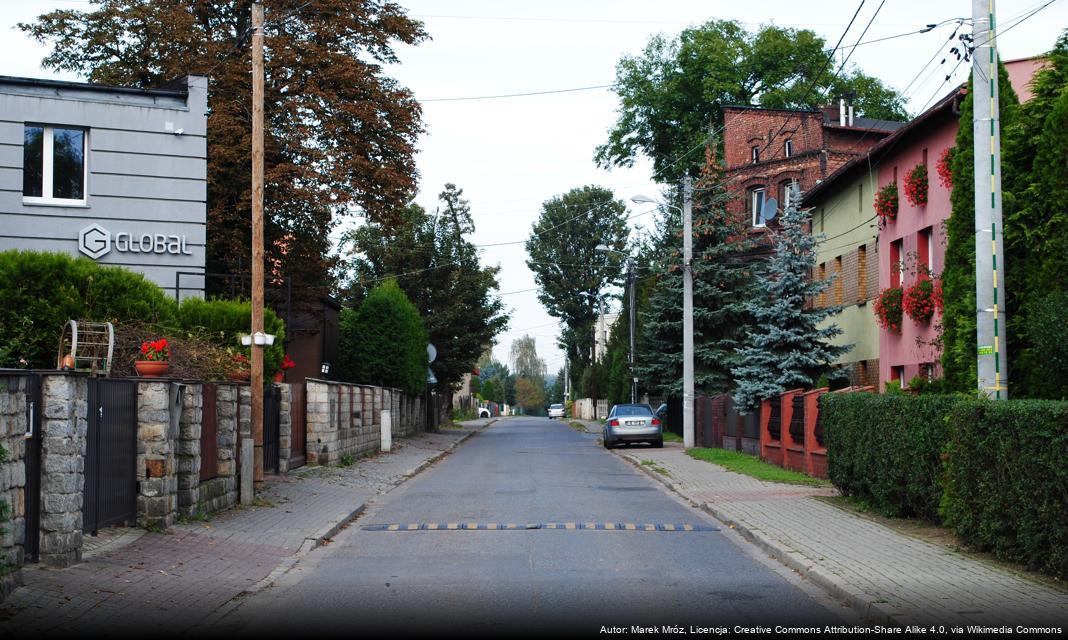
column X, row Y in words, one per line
column 114, row 174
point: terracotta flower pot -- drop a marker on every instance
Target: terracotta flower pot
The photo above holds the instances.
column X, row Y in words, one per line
column 240, row 376
column 151, row 368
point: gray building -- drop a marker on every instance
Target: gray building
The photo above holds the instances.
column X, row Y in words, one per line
column 118, row 175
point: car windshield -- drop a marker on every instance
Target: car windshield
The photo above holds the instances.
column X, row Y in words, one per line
column 632, row 410
column 556, row 406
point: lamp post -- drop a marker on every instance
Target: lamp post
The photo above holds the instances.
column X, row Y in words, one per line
column 687, row 305
column 631, row 316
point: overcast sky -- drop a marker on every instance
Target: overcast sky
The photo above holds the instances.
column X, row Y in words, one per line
column 511, row 154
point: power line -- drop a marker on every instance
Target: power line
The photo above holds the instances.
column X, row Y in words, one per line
column 518, row 95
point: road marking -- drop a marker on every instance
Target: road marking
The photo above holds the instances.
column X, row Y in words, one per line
column 666, row 527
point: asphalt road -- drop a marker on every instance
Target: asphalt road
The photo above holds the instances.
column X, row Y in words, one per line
column 531, row 471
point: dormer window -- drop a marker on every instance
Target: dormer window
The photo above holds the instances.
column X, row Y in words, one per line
column 788, row 148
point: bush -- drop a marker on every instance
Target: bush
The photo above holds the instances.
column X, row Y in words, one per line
column 384, row 342
column 886, row 449
column 40, row 291
column 1006, row 480
column 223, row 322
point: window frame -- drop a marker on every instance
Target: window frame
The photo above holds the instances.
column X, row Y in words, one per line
column 753, row 212
column 48, row 167
column 754, row 154
column 788, row 148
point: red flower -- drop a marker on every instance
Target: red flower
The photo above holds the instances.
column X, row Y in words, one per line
column 287, row 363
column 156, row 350
column 886, row 202
column 921, row 299
column 916, row 185
column 888, row 309
column 945, row 172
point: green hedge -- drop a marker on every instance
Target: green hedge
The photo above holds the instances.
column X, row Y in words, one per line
column 383, row 342
column 1007, row 480
column 885, row 449
column 228, row 319
column 40, row 291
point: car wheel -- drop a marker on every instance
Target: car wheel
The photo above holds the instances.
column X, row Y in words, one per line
column 658, row 444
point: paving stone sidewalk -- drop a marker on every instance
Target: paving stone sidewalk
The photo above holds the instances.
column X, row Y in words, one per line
column 171, row 582
column 887, row 576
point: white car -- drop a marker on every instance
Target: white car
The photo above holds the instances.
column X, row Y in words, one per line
column 557, row 411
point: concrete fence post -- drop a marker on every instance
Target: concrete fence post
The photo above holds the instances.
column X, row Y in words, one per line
column 387, row 430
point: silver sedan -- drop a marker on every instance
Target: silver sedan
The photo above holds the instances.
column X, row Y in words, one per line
column 632, row 423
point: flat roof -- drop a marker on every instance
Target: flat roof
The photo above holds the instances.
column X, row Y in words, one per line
column 177, row 89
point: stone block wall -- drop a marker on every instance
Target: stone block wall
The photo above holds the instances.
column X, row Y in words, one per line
column 285, row 427
column 13, row 427
column 220, row 492
column 157, row 500
column 189, row 432
column 64, row 427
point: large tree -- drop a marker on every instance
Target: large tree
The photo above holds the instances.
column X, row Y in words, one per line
column 670, row 96
column 339, row 132
column 570, row 272
column 439, row 269
column 525, row 360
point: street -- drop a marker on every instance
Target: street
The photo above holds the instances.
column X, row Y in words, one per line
column 525, row 472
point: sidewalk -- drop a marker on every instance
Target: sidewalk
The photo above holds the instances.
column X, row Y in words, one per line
column 171, row 582
column 886, row 576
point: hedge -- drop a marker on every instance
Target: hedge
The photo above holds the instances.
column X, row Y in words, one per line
column 885, row 449
column 1007, row 480
column 383, row 342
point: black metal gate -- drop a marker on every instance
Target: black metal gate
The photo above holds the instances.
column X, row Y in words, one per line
column 272, row 404
column 111, row 455
column 32, row 500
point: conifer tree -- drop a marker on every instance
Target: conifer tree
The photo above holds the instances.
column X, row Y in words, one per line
column 786, row 347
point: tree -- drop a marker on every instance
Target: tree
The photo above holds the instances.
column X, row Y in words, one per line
column 723, row 283
column 570, row 272
column 525, row 360
column 497, row 374
column 530, row 394
column 671, row 96
column 959, row 364
column 439, row 270
column 340, row 134
column 787, row 347
column 383, row 342
column 554, row 390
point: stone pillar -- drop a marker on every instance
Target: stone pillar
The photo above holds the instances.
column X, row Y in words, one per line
column 64, row 427
column 317, row 422
column 189, row 450
column 13, row 428
column 244, row 429
column 221, row 493
column 157, row 500
column 285, row 427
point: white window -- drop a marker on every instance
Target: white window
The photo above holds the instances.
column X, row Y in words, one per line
column 785, row 189
column 757, row 203
column 756, row 154
column 788, row 148
column 53, row 165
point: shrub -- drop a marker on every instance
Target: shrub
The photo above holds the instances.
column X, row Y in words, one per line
column 40, row 291
column 886, row 449
column 383, row 342
column 1046, row 319
column 886, row 202
column 1006, row 479
column 888, row 309
column 225, row 320
column 916, row 185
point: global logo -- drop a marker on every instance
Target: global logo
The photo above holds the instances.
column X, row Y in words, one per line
column 94, row 241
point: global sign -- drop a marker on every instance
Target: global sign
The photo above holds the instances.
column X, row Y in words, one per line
column 95, row 241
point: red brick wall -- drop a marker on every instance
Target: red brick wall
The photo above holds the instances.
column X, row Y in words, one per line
column 768, row 130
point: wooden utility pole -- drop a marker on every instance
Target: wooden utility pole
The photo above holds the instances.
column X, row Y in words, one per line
column 257, row 238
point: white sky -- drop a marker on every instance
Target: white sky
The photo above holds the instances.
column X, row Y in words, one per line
column 511, row 154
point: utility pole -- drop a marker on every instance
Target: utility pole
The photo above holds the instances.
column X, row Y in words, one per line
column 687, row 313
column 989, row 236
column 630, row 317
column 257, row 239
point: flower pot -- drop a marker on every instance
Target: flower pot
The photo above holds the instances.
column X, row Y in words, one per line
column 240, row 376
column 279, row 377
column 151, row 368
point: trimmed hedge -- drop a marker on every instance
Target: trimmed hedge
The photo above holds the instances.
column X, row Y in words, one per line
column 1007, row 480
column 885, row 449
column 226, row 320
column 383, row 342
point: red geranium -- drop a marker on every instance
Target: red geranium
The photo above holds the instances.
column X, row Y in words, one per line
column 156, row 350
column 921, row 299
column 945, row 172
column 287, row 363
column 886, row 202
column 916, row 185
column 888, row 309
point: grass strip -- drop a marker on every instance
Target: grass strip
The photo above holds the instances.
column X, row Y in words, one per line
column 754, row 467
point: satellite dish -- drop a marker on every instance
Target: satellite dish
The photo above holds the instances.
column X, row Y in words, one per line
column 431, row 352
column 771, row 207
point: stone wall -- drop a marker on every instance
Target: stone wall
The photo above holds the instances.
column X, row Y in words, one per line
column 189, row 432
column 285, row 427
column 13, row 426
column 220, row 492
column 346, row 420
column 157, row 500
column 64, row 428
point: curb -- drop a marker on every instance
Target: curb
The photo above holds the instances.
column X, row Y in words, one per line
column 859, row 601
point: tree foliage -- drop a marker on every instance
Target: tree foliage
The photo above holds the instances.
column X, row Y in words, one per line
column 439, row 270
column 671, row 95
column 525, row 360
column 339, row 132
column 530, row 394
column 383, row 342
column 570, row 272
column 786, row 347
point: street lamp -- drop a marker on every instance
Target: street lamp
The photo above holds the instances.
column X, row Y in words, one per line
column 631, row 315
column 687, row 304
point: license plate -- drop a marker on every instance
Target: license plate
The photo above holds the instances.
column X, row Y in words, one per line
column 635, row 423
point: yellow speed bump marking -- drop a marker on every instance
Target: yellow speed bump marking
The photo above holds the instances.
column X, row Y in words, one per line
column 569, row 525
column 629, row 527
column 650, row 527
column 687, row 527
column 413, row 527
column 491, row 525
column 609, row 526
column 394, row 527
column 452, row 526
column 669, row 527
column 432, row 526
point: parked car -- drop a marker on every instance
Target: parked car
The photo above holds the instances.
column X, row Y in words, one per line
column 628, row 423
column 557, row 411
column 483, row 412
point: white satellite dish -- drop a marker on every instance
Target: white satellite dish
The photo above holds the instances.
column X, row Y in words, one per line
column 771, row 207
column 431, row 352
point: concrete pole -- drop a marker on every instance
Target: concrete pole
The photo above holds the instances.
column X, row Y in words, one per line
column 687, row 313
column 257, row 237
column 631, row 316
column 989, row 236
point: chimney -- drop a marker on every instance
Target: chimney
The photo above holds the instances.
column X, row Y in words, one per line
column 851, row 114
column 841, row 112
